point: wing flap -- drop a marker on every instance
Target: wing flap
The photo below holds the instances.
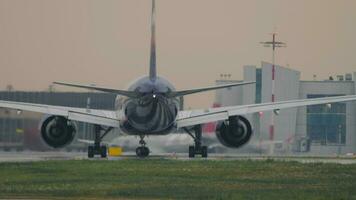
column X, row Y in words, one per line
column 202, row 118
column 93, row 119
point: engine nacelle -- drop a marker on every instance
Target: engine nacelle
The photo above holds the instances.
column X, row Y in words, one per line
column 234, row 132
column 57, row 131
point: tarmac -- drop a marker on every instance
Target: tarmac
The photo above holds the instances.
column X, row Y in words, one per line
column 32, row 156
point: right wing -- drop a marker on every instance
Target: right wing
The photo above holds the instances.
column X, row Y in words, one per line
column 194, row 117
column 93, row 116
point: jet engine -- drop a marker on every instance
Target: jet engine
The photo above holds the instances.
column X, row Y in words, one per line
column 234, row 132
column 57, row 131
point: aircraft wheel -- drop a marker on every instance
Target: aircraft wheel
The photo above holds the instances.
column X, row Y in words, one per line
column 142, row 152
column 204, row 151
column 90, row 151
column 103, row 151
column 146, row 151
column 191, row 151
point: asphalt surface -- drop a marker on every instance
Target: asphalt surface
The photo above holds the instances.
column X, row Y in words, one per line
column 29, row 156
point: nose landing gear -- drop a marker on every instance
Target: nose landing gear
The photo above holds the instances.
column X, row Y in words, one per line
column 142, row 151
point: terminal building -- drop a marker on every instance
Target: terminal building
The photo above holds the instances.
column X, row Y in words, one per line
column 316, row 130
column 20, row 130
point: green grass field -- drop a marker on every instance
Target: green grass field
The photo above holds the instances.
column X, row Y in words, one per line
column 175, row 179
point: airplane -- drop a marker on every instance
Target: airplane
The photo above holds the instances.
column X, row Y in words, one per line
column 150, row 106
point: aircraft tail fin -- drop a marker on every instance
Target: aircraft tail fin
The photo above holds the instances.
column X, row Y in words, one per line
column 153, row 71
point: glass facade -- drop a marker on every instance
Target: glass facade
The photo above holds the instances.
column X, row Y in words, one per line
column 326, row 124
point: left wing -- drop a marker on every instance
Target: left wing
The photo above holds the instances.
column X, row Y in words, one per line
column 100, row 117
column 194, row 117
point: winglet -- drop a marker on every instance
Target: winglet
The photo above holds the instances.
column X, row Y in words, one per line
column 153, row 72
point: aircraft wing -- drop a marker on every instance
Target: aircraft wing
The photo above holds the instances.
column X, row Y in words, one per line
column 194, row 117
column 93, row 116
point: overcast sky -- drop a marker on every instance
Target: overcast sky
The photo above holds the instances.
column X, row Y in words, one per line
column 107, row 42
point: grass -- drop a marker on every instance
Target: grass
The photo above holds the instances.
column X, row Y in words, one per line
column 175, row 179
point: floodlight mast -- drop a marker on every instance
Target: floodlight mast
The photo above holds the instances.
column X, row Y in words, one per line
column 274, row 44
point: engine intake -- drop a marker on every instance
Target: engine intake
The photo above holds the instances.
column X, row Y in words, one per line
column 57, row 131
column 234, row 132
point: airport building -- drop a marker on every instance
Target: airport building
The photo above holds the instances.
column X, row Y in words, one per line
column 318, row 130
column 20, row 130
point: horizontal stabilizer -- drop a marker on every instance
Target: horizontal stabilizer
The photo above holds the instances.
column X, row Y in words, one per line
column 131, row 94
column 197, row 90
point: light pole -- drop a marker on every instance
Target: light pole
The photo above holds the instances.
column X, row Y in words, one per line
column 274, row 44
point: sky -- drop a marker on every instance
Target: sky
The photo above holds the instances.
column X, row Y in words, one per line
column 107, row 42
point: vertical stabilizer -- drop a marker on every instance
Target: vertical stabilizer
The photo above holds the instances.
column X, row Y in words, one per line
column 153, row 72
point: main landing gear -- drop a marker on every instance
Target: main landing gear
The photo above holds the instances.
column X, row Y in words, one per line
column 197, row 148
column 97, row 148
column 142, row 151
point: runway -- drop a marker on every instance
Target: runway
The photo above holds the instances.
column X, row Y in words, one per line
column 31, row 156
